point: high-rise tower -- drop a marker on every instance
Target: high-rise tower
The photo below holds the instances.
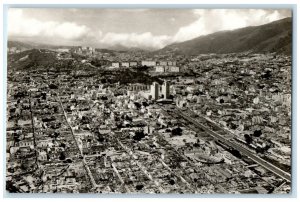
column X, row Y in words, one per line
column 166, row 89
column 154, row 90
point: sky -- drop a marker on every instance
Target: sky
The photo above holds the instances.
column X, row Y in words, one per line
column 143, row 28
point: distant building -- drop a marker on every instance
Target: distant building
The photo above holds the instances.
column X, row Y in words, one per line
column 133, row 64
column 12, row 50
column 160, row 69
column 84, row 50
column 174, row 69
column 16, row 50
column 149, row 63
column 171, row 63
column 88, row 49
column 166, row 63
column 115, row 64
column 125, row 64
column 163, row 63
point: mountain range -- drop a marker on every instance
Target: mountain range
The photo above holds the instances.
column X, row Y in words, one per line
column 272, row 37
column 33, row 45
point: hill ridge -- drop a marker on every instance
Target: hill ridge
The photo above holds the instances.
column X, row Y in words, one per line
column 275, row 36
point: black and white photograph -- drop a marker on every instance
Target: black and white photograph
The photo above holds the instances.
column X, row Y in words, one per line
column 148, row 100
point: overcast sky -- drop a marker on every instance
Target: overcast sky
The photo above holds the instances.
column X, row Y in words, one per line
column 152, row 28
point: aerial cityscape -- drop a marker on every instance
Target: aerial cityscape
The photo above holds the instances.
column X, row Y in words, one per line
column 207, row 114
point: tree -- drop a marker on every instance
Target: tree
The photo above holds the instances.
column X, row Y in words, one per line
column 257, row 133
column 16, row 137
column 248, row 139
column 62, row 156
column 172, row 182
column 138, row 105
column 139, row 187
column 236, row 153
column 63, row 145
column 177, row 132
column 139, row 135
column 55, row 135
column 145, row 104
column 53, row 86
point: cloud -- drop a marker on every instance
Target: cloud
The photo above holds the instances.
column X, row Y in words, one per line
column 20, row 25
column 135, row 40
column 192, row 30
column 214, row 20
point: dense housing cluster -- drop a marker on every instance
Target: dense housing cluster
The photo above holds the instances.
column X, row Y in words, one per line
column 222, row 124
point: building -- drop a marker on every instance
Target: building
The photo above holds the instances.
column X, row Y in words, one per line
column 26, row 143
column 16, row 50
column 125, row 64
column 166, row 89
column 167, row 63
column 174, row 69
column 133, row 64
column 149, row 63
column 163, row 63
column 84, row 50
column 180, row 102
column 115, row 64
column 160, row 69
column 171, row 63
column 88, row 50
column 12, row 50
column 42, row 156
column 154, row 90
column 148, row 129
